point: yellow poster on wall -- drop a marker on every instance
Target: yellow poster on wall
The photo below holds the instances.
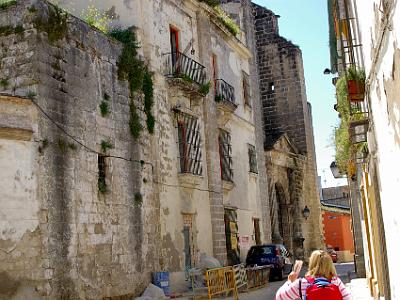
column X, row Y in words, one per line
column 233, row 227
column 234, row 242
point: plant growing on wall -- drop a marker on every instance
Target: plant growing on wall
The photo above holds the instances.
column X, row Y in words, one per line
column 104, row 110
column 131, row 68
column 105, row 145
column 7, row 3
column 138, row 199
column 55, row 25
column 227, row 21
column 343, row 144
column 205, row 88
column 223, row 17
column 211, row 3
column 148, row 91
column 4, row 82
column 96, row 18
column 104, row 106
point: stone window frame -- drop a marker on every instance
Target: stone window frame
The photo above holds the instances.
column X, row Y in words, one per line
column 253, row 165
column 189, row 144
column 225, row 155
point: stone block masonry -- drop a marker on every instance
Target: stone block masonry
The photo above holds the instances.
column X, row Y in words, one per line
column 60, row 236
column 286, row 111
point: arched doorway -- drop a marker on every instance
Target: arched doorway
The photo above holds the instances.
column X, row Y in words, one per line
column 285, row 218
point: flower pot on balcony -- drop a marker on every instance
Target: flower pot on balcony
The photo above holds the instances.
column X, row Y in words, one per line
column 356, row 90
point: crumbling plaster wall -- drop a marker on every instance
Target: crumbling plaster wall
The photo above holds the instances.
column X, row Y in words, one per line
column 87, row 245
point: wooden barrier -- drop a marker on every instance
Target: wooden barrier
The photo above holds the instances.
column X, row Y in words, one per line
column 221, row 281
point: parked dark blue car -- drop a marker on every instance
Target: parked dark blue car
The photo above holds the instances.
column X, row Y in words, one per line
column 274, row 255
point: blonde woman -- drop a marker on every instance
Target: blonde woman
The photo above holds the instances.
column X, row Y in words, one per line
column 320, row 282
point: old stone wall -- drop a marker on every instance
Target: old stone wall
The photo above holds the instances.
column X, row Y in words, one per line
column 75, row 242
column 286, row 111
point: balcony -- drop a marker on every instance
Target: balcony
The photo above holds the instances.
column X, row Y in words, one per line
column 178, row 65
column 224, row 92
column 225, row 99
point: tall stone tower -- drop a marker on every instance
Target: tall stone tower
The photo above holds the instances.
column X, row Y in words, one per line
column 288, row 138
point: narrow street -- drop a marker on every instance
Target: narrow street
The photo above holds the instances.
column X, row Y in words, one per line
column 268, row 293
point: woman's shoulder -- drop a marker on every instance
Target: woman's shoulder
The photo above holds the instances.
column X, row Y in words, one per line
column 336, row 280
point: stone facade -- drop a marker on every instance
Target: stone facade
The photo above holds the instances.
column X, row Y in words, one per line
column 72, row 241
column 286, row 111
column 84, row 244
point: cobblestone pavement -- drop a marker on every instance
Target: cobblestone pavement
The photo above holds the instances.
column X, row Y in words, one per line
column 345, row 271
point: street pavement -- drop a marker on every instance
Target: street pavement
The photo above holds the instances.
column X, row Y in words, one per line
column 345, row 271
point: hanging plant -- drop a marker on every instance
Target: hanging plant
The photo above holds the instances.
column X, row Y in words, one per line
column 356, row 84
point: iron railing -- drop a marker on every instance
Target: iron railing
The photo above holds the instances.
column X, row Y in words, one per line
column 178, row 64
column 224, row 91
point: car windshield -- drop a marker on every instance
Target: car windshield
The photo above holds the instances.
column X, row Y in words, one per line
column 255, row 251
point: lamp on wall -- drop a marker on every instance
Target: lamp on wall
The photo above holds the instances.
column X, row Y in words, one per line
column 335, row 170
column 327, row 71
column 358, row 131
column 306, row 212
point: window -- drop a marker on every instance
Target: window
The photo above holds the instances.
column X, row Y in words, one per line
column 214, row 71
column 101, row 163
column 257, row 234
column 225, row 155
column 246, row 89
column 189, row 143
column 271, row 87
column 174, row 39
column 252, row 159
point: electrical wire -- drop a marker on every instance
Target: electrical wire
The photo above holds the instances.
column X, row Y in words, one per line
column 111, row 156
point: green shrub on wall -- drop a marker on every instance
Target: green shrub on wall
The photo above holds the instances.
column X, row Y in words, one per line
column 131, row 68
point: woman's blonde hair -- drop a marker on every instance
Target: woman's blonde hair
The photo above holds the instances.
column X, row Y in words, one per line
column 321, row 265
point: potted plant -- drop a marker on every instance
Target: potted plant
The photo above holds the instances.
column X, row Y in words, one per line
column 356, row 84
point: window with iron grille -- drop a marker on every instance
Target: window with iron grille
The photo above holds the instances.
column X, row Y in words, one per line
column 252, row 159
column 246, row 89
column 225, row 155
column 189, row 143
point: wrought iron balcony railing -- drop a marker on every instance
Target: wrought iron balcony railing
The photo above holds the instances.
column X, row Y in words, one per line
column 224, row 91
column 178, row 64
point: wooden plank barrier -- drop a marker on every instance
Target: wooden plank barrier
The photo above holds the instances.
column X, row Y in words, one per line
column 221, row 281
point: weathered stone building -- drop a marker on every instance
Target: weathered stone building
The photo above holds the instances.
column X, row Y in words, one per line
column 72, row 225
column 102, row 210
column 289, row 140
